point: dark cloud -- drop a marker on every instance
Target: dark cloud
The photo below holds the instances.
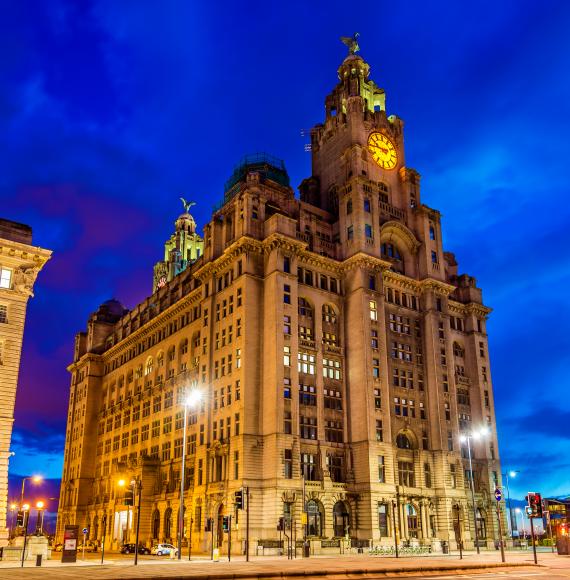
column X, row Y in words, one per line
column 109, row 111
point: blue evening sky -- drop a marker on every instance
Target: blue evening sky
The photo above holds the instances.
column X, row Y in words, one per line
column 109, row 111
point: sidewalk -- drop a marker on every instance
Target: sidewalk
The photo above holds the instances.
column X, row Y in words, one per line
column 269, row 567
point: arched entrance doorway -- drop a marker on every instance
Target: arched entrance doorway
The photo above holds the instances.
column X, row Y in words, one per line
column 168, row 524
column 412, row 520
column 341, row 519
column 314, row 519
column 155, row 525
column 220, row 526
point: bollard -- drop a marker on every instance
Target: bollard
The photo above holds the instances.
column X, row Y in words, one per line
column 216, row 555
column 38, row 559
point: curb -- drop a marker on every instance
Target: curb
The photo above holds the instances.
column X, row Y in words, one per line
column 333, row 573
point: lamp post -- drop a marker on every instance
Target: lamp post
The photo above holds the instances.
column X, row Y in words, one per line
column 26, row 510
column 35, row 479
column 137, row 485
column 40, row 521
column 13, row 507
column 191, row 400
column 122, row 483
column 466, row 438
column 510, row 473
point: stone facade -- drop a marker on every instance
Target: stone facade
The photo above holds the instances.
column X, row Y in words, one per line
column 20, row 263
column 339, row 352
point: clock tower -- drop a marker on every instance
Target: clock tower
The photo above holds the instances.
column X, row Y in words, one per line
column 359, row 171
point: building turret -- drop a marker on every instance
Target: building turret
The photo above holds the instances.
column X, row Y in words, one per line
column 184, row 247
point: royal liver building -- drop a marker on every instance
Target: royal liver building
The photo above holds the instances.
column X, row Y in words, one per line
column 338, row 353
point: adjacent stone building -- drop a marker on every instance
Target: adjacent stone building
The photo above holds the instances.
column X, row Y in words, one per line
column 339, row 352
column 20, row 263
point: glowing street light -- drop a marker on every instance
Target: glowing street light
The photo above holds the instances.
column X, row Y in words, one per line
column 40, row 521
column 193, row 397
column 35, row 478
column 466, row 438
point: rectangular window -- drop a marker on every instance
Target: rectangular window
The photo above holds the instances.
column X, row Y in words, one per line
column 377, row 399
column 383, row 519
column 406, row 475
column 5, row 278
column 236, row 464
column 450, row 441
column 333, row 431
column 373, row 310
column 374, row 338
column 376, row 368
column 309, row 466
column 287, row 423
column 332, row 369
column 453, row 475
column 308, row 427
column 236, row 424
column 434, row 257
column 333, row 399
column 287, row 264
column 306, row 363
column 308, row 395
column 3, row 314
column 368, row 231
column 286, row 294
column 287, row 325
column 379, row 431
column 427, row 474
column 381, row 469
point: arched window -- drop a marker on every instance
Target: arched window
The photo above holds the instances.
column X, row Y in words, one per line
column 413, row 521
column 329, row 314
column 155, row 524
column 341, row 519
column 149, row 366
column 168, row 523
column 481, row 525
column 305, row 308
column 160, row 359
column 402, row 442
column 314, row 519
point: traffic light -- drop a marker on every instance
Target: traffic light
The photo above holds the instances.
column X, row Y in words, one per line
column 281, row 524
column 209, row 522
column 534, row 504
column 238, row 499
column 20, row 519
column 225, row 523
column 129, row 497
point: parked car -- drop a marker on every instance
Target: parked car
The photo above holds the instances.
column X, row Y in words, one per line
column 130, row 549
column 164, row 550
column 90, row 546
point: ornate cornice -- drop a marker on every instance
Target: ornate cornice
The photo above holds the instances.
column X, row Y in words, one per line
column 402, row 281
column 362, row 260
column 437, row 286
column 401, row 231
column 479, row 310
column 243, row 245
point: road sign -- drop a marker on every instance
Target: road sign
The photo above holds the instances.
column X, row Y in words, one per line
column 498, row 494
column 85, row 530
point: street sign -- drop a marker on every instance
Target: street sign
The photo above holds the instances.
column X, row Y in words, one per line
column 498, row 494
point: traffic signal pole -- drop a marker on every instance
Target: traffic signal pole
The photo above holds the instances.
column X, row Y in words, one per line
column 532, row 539
column 500, row 532
column 247, row 524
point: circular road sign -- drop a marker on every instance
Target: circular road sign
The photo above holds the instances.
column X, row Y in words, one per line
column 498, row 494
column 85, row 530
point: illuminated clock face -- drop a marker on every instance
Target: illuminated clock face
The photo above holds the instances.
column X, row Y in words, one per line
column 383, row 150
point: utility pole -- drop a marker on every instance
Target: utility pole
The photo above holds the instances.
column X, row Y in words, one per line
column 500, row 531
column 247, row 524
column 104, row 524
column 229, row 538
column 138, row 483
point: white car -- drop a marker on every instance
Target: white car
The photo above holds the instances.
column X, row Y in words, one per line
column 164, row 550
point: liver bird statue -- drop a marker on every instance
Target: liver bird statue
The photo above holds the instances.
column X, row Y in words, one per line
column 187, row 204
column 351, row 42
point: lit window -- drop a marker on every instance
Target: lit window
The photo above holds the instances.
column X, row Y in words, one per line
column 373, row 310
column 5, row 278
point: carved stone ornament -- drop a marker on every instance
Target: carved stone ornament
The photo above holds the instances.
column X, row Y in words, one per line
column 24, row 278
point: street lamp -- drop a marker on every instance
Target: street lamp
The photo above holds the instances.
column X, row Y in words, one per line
column 137, row 485
column 26, row 510
column 122, row 483
column 510, row 473
column 40, row 521
column 466, row 438
column 191, row 401
column 35, row 479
